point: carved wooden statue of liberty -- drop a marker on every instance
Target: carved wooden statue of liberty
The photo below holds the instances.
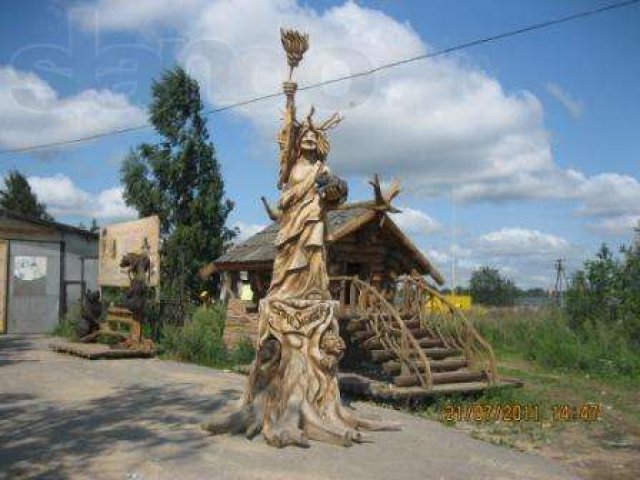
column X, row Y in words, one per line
column 292, row 394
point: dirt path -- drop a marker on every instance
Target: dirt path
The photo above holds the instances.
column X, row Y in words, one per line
column 65, row 417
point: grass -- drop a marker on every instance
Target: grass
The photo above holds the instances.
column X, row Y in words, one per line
column 559, row 367
column 66, row 328
column 545, row 338
column 199, row 341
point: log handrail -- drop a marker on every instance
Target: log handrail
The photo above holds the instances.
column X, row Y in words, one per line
column 447, row 322
column 388, row 327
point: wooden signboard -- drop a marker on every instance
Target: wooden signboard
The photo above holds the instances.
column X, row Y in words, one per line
column 118, row 239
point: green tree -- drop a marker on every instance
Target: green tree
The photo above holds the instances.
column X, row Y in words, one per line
column 592, row 293
column 18, row 197
column 179, row 179
column 605, row 293
column 488, row 287
column 630, row 294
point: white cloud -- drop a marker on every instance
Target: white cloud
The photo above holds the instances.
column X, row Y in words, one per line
column 571, row 105
column 432, row 124
column 552, row 183
column 521, row 241
column 416, row 222
column 247, row 230
column 33, row 113
column 110, row 204
column 610, row 194
column 438, row 256
column 128, row 15
column 612, row 199
column 63, row 198
column 619, row 225
column 525, row 255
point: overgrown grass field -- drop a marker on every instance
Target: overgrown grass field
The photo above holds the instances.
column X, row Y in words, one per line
column 595, row 368
column 545, row 337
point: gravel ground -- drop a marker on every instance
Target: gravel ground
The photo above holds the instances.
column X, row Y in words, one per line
column 65, row 417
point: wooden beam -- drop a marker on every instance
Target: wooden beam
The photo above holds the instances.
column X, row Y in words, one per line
column 352, row 226
column 422, row 261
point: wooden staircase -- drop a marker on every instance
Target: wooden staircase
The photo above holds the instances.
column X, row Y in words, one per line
column 409, row 343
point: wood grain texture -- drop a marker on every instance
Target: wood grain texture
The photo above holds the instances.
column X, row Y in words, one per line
column 292, row 394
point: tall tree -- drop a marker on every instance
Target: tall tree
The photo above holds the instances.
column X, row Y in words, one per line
column 179, row 179
column 18, row 197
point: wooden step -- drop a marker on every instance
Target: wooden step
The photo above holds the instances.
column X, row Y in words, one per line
column 362, row 335
column 382, row 392
column 356, row 324
column 393, row 367
column 458, row 376
column 420, row 332
column 440, row 352
column 435, row 352
column 430, row 342
column 426, row 342
column 413, row 323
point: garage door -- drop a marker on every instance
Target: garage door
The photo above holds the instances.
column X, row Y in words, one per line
column 34, row 287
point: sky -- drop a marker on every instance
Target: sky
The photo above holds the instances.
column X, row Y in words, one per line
column 511, row 154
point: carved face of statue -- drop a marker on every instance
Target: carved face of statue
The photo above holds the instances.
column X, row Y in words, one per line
column 309, row 141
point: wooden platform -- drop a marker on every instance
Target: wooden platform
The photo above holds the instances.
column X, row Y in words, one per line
column 97, row 351
column 361, row 386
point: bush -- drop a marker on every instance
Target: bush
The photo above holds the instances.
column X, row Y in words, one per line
column 68, row 323
column 243, row 353
column 488, row 287
column 606, row 293
column 597, row 332
column 547, row 338
column 199, row 340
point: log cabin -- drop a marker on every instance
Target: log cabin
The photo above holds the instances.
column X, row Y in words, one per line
column 404, row 340
column 360, row 242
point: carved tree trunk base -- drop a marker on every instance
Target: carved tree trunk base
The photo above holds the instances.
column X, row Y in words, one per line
column 292, row 395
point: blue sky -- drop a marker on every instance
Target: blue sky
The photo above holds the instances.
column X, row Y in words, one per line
column 534, row 136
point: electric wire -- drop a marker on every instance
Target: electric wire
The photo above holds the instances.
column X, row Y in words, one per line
column 364, row 73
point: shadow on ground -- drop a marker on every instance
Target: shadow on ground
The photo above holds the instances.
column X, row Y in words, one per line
column 11, row 349
column 43, row 441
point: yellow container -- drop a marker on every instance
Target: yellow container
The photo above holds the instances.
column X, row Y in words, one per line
column 462, row 302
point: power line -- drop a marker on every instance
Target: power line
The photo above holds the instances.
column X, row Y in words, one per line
column 364, row 73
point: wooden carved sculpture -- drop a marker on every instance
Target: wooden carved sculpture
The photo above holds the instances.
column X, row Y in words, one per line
column 292, row 394
column 91, row 312
column 138, row 267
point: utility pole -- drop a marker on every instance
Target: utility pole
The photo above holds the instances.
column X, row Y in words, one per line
column 561, row 281
column 453, row 239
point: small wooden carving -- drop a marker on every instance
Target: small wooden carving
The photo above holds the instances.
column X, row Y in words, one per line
column 91, row 311
column 138, row 267
column 292, row 394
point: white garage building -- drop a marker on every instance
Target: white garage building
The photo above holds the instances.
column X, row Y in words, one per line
column 44, row 268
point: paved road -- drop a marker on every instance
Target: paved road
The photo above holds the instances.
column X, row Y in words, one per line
column 64, row 417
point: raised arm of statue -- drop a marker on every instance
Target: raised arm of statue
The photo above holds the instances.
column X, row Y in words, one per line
column 287, row 134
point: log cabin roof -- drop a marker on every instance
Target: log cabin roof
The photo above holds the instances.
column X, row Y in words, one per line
column 261, row 247
column 258, row 251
